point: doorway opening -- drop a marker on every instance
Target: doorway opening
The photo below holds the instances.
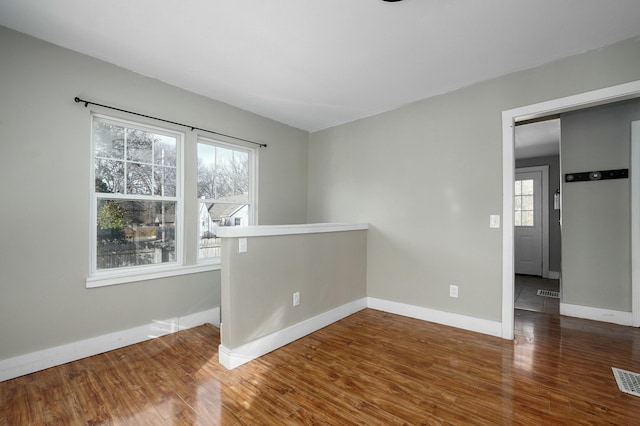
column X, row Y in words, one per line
column 532, row 112
column 537, row 294
column 536, row 215
column 537, row 288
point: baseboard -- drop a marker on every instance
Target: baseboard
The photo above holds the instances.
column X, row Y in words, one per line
column 596, row 314
column 232, row 358
column 553, row 275
column 492, row 328
column 40, row 360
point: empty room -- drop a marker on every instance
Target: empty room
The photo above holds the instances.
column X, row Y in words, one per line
column 319, row 212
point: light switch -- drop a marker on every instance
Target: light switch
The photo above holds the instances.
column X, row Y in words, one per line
column 494, row 221
column 242, row 245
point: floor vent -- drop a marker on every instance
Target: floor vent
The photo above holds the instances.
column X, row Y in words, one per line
column 628, row 382
column 549, row 293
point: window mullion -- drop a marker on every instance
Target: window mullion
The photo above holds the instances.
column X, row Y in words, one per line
column 125, row 162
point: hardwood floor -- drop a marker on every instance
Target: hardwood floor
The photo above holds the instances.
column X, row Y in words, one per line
column 370, row 368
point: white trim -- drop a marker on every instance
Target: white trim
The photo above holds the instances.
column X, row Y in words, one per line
column 596, row 314
column 232, row 358
column 152, row 273
column 478, row 325
column 51, row 357
column 554, row 275
column 270, row 230
column 545, row 213
column 569, row 103
column 635, row 222
column 508, row 267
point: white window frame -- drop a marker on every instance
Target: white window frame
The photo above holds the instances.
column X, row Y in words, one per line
column 99, row 278
column 253, row 190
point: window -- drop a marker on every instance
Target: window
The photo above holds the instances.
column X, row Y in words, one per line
column 225, row 192
column 523, row 203
column 136, row 195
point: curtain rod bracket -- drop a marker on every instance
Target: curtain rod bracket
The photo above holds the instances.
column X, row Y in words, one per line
column 86, row 104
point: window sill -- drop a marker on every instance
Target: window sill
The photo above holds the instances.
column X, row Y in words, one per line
column 122, row 277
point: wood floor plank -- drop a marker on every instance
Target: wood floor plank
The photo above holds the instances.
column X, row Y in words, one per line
column 370, row 368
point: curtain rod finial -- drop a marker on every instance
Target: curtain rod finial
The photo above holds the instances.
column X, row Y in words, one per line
column 78, row 100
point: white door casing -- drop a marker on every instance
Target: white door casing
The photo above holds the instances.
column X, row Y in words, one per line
column 607, row 95
column 635, row 223
column 528, row 230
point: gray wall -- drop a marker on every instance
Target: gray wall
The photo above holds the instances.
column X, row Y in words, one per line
column 425, row 176
column 44, row 178
column 554, row 215
column 596, row 227
column 428, row 175
column 328, row 269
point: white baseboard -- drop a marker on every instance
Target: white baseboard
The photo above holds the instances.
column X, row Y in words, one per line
column 232, row 358
column 596, row 314
column 553, row 275
column 40, row 360
column 493, row 328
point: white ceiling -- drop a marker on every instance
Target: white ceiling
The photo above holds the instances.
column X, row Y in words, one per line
column 313, row 64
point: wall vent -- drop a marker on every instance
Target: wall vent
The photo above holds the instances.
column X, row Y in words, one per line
column 549, row 293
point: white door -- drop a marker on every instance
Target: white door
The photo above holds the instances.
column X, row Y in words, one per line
column 528, row 223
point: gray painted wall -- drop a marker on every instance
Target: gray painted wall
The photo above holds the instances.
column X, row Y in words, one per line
column 44, row 178
column 328, row 269
column 554, row 215
column 427, row 176
column 596, row 227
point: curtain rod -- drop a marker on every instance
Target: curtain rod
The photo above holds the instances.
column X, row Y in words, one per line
column 87, row 103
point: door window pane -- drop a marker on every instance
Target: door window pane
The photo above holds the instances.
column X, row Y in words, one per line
column 523, row 203
column 527, row 187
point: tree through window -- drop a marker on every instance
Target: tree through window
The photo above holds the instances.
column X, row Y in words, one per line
column 136, row 194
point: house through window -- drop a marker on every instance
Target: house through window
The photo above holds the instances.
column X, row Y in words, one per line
column 225, row 192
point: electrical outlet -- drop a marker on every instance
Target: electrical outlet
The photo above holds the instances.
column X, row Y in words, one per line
column 296, row 298
column 453, row 291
